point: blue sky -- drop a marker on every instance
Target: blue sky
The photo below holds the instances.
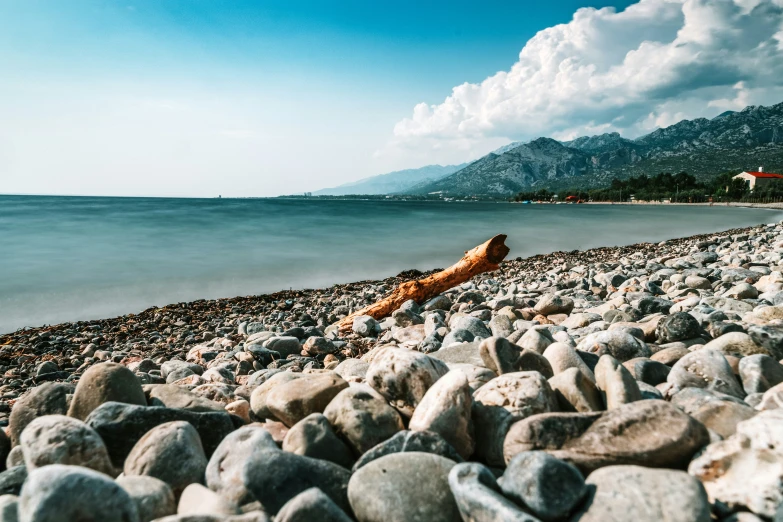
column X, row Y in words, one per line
column 199, row 97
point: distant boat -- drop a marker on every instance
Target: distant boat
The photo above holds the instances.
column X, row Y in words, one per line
column 526, row 202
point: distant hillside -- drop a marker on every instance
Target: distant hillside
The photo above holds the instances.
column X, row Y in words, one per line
column 399, row 181
column 731, row 141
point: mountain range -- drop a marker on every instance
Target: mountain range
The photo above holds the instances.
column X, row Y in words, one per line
column 393, row 182
column 731, row 141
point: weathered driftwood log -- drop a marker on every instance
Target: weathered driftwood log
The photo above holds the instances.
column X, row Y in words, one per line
column 484, row 258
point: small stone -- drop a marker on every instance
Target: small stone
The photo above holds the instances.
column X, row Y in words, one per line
column 57, row 492
column 366, row 326
column 618, row 343
column 759, row 373
column 575, row 392
column 548, row 487
column 171, row 452
column 738, row 344
column 153, row 497
column 319, row 346
column 173, row 396
column 562, row 356
column 769, row 337
column 11, row 480
column 363, row 418
column 57, row 439
column 103, row 383
column 404, row 486
column 47, row 399
column 554, row 304
column 198, row 500
column 310, row 505
column 616, row 382
column 292, row 401
column 418, row 441
column 478, row 496
column 446, row 409
column 314, row 437
column 677, row 327
column 705, row 368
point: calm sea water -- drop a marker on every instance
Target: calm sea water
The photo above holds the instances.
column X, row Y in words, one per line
column 68, row 258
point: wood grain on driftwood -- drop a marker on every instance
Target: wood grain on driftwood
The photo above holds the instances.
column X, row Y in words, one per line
column 484, row 258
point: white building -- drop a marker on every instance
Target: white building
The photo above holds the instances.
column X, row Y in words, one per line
column 759, row 179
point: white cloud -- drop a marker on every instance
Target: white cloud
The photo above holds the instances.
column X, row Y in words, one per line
column 654, row 63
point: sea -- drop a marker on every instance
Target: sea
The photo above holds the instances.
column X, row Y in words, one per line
column 81, row 258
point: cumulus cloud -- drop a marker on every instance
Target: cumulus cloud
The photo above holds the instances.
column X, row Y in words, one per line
column 651, row 65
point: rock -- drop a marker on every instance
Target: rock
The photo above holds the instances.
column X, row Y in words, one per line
column 501, row 402
column 363, row 418
column 292, row 401
column 499, row 355
column 473, row 325
column 105, row 382
column 404, row 376
column 546, row 486
column 440, row 302
column 735, row 343
column 464, row 353
column 722, row 417
column 477, row 376
column 57, row 439
column 554, row 304
column 653, row 305
column 647, row 432
column 153, row 497
column 535, row 340
column 647, row 370
column 258, row 398
column 366, row 326
column 622, row 493
column 198, row 500
column 677, row 327
column 446, row 410
column 310, row 505
column 404, row 486
column 410, row 441
column 57, row 492
column 575, row 392
column 225, row 468
column 759, row 373
column 478, row 496
column 456, row 337
column 171, row 452
column 352, row 369
column 769, row 337
column 173, row 396
column 11, row 480
column 562, row 357
column 47, row 399
column 316, row 345
column 616, row 382
column 9, row 508
column 501, row 326
column 705, row 368
column 771, row 400
column 274, row 477
column 121, row 426
column 314, row 437
column 617, row 343
column 284, row 345
column 670, row 356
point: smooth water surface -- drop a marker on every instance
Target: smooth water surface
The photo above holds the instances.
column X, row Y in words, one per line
column 69, row 258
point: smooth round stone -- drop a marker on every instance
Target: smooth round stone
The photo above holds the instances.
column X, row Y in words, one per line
column 624, row 493
column 197, row 500
column 258, row 398
column 562, row 356
column 294, row 400
column 57, row 493
column 47, row 399
column 548, row 487
column 366, row 326
column 677, row 327
column 618, row 343
column 705, row 368
column 311, row 505
column 57, row 439
column 11, row 480
column 759, row 373
column 173, row 396
column 404, row 486
column 478, row 496
column 408, row 441
column 171, row 452
column 575, row 392
column 314, row 437
column 153, row 497
column 105, row 382
column 9, row 508
column 738, row 344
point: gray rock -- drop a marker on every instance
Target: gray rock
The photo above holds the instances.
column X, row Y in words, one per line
column 410, row 441
column 352, row 369
column 705, row 368
column 550, row 304
column 536, row 340
column 171, row 452
column 153, row 497
column 57, row 439
column 619, row 344
column 546, row 431
column 258, row 398
column 722, row 417
column 501, row 326
column 173, row 396
column 759, row 373
column 316, row 345
column 225, row 468
column 404, row 486
column 677, row 327
column 363, row 418
column 463, row 353
column 47, row 399
column 309, row 505
column 575, row 392
column 738, row 344
column 197, row 500
column 314, row 437
column 404, row 376
column 647, row 370
column 622, row 493
column 473, row 325
column 440, row 302
column 457, row 336
column 548, row 487
column 274, row 477
column 446, row 410
column 477, row 376
column 294, row 400
column 57, row 492
column 105, row 382
column 11, row 480
column 121, row 426
column 769, row 337
column 616, row 383
column 653, row 305
column 562, row 357
column 9, row 508
column 501, row 402
column 284, row 345
column 366, row 326
column 479, row 498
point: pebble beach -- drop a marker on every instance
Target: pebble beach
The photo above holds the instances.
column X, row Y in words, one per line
column 640, row 382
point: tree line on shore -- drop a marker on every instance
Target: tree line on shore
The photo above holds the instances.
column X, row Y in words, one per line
column 677, row 188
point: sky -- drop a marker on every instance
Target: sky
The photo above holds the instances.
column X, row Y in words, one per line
column 261, row 98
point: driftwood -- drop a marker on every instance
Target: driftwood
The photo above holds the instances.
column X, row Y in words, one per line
column 484, row 258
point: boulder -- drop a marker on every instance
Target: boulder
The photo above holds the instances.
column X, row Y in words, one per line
column 294, row 400
column 314, row 437
column 105, row 382
column 57, row 439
